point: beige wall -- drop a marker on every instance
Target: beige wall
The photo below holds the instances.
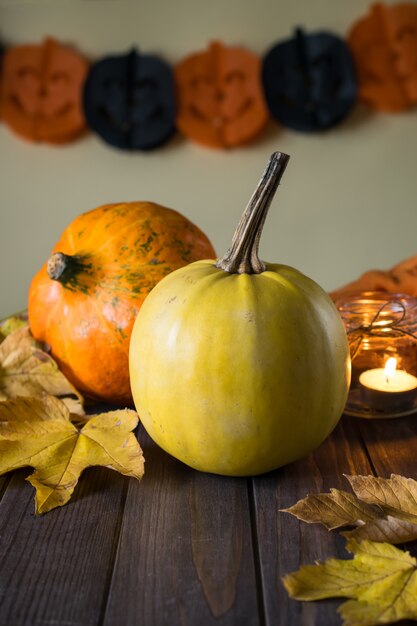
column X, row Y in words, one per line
column 348, row 198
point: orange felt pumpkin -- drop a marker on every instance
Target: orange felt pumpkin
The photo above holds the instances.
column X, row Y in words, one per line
column 83, row 302
column 402, row 278
column 41, row 91
column 220, row 97
column 384, row 47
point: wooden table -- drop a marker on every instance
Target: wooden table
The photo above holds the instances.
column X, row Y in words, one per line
column 182, row 547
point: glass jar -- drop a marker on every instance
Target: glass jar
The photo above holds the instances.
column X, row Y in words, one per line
column 381, row 326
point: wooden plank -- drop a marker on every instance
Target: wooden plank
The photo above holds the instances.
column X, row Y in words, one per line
column 4, row 481
column 185, row 553
column 284, row 542
column 392, row 445
column 55, row 569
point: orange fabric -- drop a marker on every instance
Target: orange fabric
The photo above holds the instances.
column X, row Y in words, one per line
column 384, row 47
column 402, row 278
column 42, row 91
column 220, row 97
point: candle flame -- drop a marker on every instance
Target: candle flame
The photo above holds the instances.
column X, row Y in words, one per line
column 390, row 367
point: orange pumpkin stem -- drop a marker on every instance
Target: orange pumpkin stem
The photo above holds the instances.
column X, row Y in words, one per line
column 242, row 256
column 60, row 265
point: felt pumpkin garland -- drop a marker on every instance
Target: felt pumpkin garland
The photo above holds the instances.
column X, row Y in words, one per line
column 384, row 46
column 129, row 101
column 41, row 95
column 309, row 81
column 220, row 97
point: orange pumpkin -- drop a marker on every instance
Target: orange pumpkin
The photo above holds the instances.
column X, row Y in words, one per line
column 84, row 300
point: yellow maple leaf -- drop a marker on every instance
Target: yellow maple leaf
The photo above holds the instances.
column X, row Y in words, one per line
column 37, row 432
column 381, row 581
column 27, row 370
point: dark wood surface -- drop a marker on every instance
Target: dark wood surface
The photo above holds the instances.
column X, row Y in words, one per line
column 182, row 547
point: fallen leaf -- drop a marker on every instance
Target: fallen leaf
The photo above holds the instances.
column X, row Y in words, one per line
column 388, row 529
column 12, row 323
column 334, row 509
column 396, row 494
column 381, row 509
column 37, row 432
column 76, row 409
column 381, row 580
column 26, row 370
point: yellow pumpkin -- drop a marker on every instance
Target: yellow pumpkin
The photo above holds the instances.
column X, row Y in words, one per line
column 238, row 367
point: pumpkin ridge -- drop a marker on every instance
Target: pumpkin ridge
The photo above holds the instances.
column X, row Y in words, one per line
column 116, row 235
column 110, row 327
column 173, row 216
column 50, row 310
column 130, row 225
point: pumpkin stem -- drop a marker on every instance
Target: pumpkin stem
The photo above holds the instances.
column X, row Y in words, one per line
column 61, row 265
column 242, row 256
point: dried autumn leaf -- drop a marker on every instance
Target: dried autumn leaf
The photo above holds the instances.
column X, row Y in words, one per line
column 76, row 409
column 396, row 494
column 367, row 509
column 37, row 432
column 12, row 323
column 334, row 509
column 26, row 370
column 380, row 579
column 388, row 529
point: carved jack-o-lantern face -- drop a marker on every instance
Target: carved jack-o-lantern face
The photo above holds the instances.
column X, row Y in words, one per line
column 129, row 101
column 309, row 81
column 384, row 45
column 219, row 96
column 42, row 86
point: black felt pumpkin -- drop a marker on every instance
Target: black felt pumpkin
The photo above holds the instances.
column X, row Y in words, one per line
column 129, row 101
column 309, row 81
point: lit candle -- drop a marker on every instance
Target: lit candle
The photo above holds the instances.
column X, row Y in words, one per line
column 388, row 389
